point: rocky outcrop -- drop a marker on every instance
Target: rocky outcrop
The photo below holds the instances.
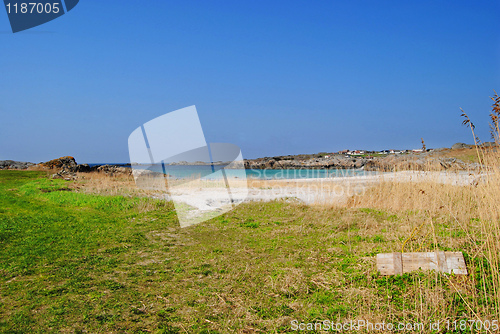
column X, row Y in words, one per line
column 11, row 164
column 457, row 146
column 65, row 175
column 391, row 162
column 69, row 165
column 113, row 170
column 64, row 163
column 69, row 172
column 66, row 167
column 419, row 163
column 313, row 163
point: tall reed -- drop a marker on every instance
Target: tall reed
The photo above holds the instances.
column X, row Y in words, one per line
column 471, row 213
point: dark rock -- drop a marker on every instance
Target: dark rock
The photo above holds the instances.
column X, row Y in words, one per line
column 112, row 170
column 82, row 168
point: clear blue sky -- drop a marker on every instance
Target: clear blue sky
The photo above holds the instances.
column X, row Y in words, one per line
column 274, row 77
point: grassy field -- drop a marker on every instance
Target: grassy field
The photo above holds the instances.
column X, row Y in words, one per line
column 74, row 262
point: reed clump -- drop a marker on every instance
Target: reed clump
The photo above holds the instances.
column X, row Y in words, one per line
column 472, row 213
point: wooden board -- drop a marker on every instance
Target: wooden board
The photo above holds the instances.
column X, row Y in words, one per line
column 398, row 263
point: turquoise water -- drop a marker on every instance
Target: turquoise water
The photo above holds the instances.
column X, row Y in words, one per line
column 302, row 173
column 210, row 172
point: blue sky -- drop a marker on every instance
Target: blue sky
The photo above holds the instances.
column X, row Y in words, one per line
column 274, row 77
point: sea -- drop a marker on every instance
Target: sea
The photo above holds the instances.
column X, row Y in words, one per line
column 215, row 172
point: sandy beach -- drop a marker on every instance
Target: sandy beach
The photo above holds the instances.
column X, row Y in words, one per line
column 204, row 198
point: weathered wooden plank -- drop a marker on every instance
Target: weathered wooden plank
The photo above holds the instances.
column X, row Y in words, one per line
column 456, row 263
column 416, row 261
column 397, row 263
column 386, row 264
column 441, row 262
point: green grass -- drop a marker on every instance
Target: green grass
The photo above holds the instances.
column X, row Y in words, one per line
column 74, row 262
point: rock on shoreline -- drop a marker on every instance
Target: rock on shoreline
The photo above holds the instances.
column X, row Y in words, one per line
column 418, row 162
column 66, row 167
column 11, row 164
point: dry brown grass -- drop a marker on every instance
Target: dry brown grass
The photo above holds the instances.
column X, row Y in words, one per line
column 472, row 214
column 110, row 185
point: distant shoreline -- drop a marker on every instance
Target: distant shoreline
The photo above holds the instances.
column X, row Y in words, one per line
column 459, row 157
